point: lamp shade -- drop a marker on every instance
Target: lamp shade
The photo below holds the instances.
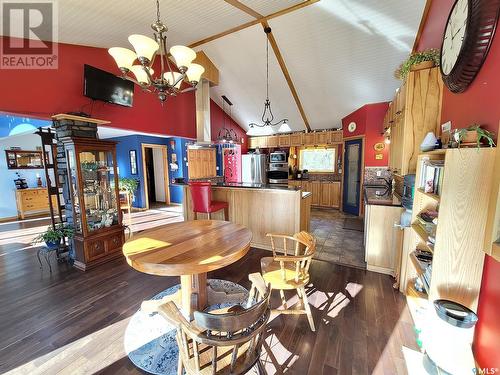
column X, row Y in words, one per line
column 183, row 56
column 284, row 128
column 194, row 72
column 168, row 77
column 267, row 130
column 124, row 57
column 144, row 46
column 140, row 74
column 252, row 131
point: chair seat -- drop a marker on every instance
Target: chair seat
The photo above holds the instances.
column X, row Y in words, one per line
column 224, row 353
column 217, row 205
column 272, row 273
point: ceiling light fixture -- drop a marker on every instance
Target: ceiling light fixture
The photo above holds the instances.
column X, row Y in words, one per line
column 226, row 135
column 168, row 82
column 267, row 116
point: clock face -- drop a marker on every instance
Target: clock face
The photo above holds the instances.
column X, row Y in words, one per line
column 351, row 127
column 454, row 36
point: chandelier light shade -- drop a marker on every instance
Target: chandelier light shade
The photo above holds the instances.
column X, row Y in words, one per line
column 266, row 127
column 183, row 57
column 147, row 50
column 124, row 57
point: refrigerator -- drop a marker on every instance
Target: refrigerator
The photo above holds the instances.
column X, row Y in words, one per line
column 253, row 168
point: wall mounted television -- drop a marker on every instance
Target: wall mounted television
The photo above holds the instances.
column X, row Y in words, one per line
column 101, row 85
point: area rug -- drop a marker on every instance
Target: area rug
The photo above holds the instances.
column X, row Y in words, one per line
column 354, row 223
column 150, row 341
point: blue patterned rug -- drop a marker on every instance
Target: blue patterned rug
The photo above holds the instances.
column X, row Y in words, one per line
column 150, row 341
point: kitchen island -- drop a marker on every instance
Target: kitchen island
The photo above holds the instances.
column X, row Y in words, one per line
column 260, row 207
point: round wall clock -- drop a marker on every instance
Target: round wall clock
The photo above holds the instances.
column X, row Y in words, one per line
column 351, row 127
column 467, row 38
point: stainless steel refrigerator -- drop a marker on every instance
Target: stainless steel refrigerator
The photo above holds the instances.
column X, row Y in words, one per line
column 253, row 168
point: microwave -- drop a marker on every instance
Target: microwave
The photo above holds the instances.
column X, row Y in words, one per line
column 278, row 157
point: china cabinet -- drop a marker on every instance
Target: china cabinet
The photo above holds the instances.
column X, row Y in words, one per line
column 94, row 196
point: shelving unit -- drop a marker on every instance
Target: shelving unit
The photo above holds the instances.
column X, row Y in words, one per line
column 458, row 255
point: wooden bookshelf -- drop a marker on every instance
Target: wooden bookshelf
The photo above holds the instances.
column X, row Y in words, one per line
column 460, row 233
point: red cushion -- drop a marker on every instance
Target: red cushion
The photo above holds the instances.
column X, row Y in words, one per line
column 216, row 206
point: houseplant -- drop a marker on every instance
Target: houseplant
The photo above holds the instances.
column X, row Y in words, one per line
column 423, row 59
column 53, row 237
column 128, row 184
column 473, row 134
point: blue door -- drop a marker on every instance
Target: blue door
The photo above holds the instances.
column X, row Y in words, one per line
column 353, row 153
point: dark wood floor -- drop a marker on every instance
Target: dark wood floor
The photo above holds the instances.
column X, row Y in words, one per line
column 73, row 322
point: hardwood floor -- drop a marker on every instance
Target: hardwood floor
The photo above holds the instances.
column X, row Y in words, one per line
column 70, row 322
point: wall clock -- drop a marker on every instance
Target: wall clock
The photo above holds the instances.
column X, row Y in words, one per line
column 351, row 127
column 466, row 41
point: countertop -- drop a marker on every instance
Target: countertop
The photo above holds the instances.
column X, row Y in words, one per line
column 381, row 196
column 245, row 185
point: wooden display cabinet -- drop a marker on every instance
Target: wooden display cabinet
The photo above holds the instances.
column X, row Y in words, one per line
column 94, row 193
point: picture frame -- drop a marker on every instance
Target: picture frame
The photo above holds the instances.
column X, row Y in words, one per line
column 133, row 161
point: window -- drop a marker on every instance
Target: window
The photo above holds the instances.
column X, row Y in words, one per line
column 317, row 159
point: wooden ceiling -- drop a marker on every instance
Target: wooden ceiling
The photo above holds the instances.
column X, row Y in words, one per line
column 329, row 57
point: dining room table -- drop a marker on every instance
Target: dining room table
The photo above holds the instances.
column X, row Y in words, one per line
column 188, row 249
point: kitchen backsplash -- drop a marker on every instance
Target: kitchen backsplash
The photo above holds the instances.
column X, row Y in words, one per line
column 371, row 177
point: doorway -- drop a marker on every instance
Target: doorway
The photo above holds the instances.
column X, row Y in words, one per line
column 353, row 162
column 155, row 177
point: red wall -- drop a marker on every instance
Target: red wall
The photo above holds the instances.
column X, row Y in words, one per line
column 480, row 103
column 217, row 116
column 42, row 93
column 369, row 119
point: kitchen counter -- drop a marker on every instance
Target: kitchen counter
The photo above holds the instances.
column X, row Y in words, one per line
column 261, row 208
column 380, row 196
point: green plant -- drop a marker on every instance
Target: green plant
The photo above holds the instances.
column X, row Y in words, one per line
column 54, row 235
column 481, row 133
column 128, row 184
column 415, row 58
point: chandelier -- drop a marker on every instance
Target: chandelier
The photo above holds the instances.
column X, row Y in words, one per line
column 168, row 82
column 226, row 135
column 267, row 116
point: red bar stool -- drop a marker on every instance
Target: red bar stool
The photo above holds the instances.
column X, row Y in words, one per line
column 201, row 195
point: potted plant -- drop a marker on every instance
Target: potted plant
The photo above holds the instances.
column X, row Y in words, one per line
column 53, row 237
column 473, row 134
column 416, row 61
column 128, row 184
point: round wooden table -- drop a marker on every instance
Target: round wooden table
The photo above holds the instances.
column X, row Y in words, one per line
column 187, row 249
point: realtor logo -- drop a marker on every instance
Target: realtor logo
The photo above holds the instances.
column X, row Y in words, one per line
column 29, row 32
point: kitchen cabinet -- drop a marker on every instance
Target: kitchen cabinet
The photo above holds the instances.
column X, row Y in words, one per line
column 284, row 140
column 415, row 111
column 492, row 238
column 296, row 139
column 33, row 201
column 272, row 141
column 201, row 163
column 383, row 240
column 322, row 138
column 316, row 192
column 253, row 142
column 324, row 193
column 309, row 138
column 336, row 136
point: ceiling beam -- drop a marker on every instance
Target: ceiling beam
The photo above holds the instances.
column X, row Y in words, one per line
column 252, row 23
column 284, row 69
column 423, row 21
column 244, row 8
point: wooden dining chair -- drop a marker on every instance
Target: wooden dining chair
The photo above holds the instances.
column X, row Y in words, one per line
column 226, row 341
column 290, row 270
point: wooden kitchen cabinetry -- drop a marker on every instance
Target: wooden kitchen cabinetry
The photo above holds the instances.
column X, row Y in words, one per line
column 296, row 139
column 415, row 111
column 324, row 193
column 492, row 237
column 202, row 163
column 33, row 201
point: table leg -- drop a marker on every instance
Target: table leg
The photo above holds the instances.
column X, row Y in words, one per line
column 193, row 293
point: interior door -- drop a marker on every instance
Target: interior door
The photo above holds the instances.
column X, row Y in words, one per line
column 352, row 178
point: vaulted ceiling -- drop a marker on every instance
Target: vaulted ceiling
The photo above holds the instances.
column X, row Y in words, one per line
column 340, row 54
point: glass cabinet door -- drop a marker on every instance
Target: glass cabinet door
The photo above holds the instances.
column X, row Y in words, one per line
column 98, row 189
column 75, row 199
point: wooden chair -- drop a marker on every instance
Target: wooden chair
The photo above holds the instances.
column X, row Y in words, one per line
column 290, row 271
column 126, row 204
column 222, row 342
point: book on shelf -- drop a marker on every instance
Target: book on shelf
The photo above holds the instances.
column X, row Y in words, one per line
column 431, row 176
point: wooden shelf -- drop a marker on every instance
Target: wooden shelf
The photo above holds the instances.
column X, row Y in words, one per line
column 424, row 236
column 430, row 195
column 416, row 264
column 412, row 292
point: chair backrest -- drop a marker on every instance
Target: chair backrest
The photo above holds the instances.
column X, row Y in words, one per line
column 201, row 195
column 299, row 249
column 124, row 199
column 234, row 339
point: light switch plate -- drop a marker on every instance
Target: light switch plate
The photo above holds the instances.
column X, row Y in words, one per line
column 379, row 173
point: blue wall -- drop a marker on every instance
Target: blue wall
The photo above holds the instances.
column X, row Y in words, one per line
column 133, row 142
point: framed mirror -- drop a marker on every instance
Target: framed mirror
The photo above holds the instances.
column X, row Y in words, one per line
column 17, row 159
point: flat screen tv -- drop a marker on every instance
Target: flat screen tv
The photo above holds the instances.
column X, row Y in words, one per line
column 101, row 85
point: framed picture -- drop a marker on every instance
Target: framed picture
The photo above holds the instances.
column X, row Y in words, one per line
column 133, row 161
